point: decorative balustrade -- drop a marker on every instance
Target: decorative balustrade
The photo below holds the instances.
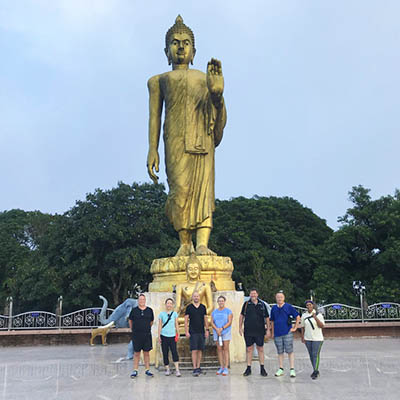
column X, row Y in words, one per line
column 340, row 312
column 89, row 317
column 4, row 321
column 85, row 318
column 383, row 311
column 375, row 312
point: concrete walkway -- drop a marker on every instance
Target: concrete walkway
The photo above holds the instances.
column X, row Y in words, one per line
column 350, row 369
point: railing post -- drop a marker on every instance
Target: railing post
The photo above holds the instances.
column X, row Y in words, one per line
column 59, row 311
column 362, row 306
column 10, row 311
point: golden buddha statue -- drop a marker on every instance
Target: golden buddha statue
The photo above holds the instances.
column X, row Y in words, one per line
column 195, row 117
column 184, row 291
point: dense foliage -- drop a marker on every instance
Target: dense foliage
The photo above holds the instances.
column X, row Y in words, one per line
column 105, row 245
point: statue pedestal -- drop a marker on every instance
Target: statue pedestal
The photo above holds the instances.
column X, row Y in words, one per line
column 234, row 301
column 171, row 271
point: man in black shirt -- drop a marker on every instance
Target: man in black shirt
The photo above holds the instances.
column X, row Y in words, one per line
column 140, row 321
column 256, row 322
column 196, row 328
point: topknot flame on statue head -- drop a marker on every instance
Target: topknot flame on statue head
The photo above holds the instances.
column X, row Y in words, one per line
column 178, row 27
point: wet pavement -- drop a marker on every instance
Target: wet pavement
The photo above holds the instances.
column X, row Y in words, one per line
column 350, row 369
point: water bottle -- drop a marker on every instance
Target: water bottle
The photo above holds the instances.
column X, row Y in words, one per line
column 220, row 340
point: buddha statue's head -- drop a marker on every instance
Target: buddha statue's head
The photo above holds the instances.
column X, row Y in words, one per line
column 193, row 268
column 179, row 44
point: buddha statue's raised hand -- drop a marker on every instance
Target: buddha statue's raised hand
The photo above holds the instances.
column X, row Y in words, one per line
column 215, row 81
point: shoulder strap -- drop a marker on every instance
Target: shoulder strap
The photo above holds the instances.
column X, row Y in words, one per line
column 245, row 308
column 309, row 320
column 168, row 319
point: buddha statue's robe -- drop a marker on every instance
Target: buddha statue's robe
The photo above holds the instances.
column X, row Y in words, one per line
column 193, row 127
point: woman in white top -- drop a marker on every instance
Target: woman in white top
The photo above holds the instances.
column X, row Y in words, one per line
column 311, row 334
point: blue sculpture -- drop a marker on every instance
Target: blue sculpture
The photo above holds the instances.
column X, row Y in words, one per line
column 120, row 315
column 118, row 318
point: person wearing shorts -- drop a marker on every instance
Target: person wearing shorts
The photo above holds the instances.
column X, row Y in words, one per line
column 255, row 318
column 196, row 328
column 282, row 315
column 221, row 320
column 311, row 335
column 141, row 319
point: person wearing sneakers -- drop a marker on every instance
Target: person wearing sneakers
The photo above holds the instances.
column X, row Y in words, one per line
column 167, row 335
column 141, row 319
column 196, row 328
column 221, row 321
column 311, row 335
column 282, row 316
column 255, row 317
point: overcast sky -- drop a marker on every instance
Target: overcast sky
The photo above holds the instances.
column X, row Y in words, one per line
column 312, row 91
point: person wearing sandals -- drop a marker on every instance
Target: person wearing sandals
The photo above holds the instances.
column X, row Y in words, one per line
column 282, row 316
column 312, row 323
column 141, row 320
column 221, row 321
column 168, row 335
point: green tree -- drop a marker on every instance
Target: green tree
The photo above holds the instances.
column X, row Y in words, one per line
column 275, row 237
column 366, row 247
column 105, row 244
column 24, row 274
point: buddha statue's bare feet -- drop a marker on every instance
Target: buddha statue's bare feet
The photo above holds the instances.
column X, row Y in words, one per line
column 185, row 250
column 204, row 251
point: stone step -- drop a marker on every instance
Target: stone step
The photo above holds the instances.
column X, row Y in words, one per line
column 207, row 364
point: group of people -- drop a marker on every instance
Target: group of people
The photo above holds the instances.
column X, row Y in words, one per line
column 256, row 323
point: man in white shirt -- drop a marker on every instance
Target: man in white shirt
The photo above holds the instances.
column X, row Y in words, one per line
column 311, row 334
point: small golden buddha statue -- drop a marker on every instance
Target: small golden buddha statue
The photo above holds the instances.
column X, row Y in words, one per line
column 184, row 291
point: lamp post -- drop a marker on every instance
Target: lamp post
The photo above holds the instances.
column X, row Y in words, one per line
column 359, row 290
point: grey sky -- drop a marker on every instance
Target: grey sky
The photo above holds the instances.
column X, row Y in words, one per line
column 312, row 92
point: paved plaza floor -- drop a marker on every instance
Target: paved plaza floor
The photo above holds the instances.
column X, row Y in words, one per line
column 350, row 369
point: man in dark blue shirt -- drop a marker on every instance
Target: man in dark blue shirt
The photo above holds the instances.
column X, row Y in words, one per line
column 282, row 316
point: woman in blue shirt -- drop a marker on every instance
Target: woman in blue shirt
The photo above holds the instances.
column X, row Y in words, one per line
column 167, row 335
column 221, row 320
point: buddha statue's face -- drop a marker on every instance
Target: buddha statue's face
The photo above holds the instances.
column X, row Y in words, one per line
column 180, row 50
column 193, row 271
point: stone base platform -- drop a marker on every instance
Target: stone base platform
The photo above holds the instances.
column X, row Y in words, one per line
column 169, row 272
